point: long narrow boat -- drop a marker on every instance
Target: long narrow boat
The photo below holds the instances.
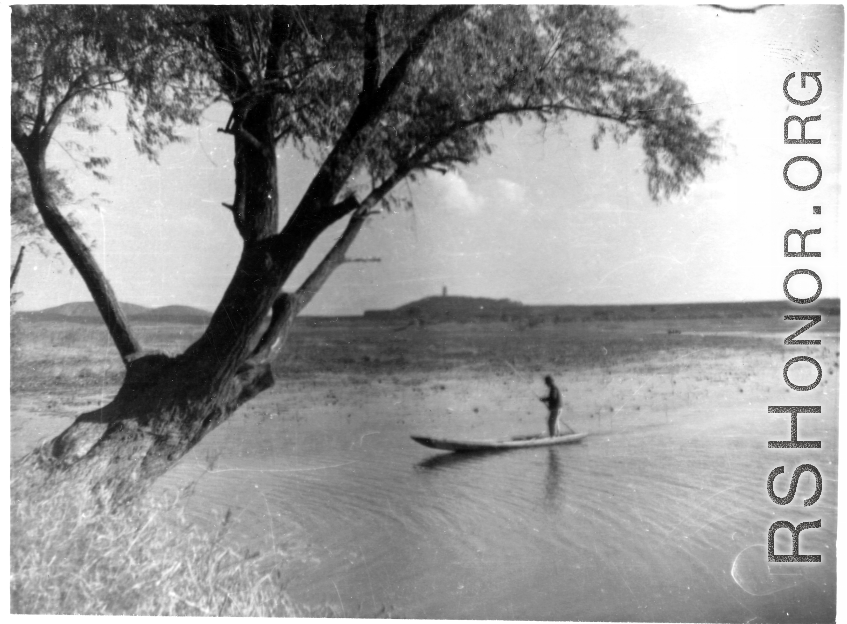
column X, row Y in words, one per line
column 497, row 445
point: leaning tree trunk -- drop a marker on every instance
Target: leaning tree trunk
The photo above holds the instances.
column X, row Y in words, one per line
column 168, row 404
column 165, row 406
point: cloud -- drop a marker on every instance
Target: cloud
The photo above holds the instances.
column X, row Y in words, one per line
column 511, row 191
column 454, row 193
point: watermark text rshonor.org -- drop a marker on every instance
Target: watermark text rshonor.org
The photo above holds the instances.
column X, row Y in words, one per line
column 794, row 246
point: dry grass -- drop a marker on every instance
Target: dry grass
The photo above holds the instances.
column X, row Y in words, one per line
column 145, row 559
column 81, row 354
column 66, row 355
column 69, row 557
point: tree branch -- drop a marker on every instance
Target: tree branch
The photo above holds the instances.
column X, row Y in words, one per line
column 41, row 110
column 241, row 133
column 288, row 306
column 331, row 176
column 344, row 207
column 333, row 259
column 75, row 89
column 20, row 139
column 79, row 254
column 416, row 158
column 280, row 33
column 33, row 148
column 234, row 79
column 372, row 51
column 395, row 76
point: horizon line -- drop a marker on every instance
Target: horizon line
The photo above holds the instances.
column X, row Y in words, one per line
column 528, row 305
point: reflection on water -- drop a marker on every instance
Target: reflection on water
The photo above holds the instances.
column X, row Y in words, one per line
column 658, row 523
column 552, row 480
column 446, row 460
column 552, row 477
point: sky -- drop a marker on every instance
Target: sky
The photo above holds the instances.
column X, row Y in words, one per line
column 544, row 220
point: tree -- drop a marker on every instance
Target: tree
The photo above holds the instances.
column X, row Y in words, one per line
column 383, row 93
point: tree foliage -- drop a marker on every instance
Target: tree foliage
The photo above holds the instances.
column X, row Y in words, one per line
column 69, row 60
column 547, row 63
column 512, row 62
column 544, row 62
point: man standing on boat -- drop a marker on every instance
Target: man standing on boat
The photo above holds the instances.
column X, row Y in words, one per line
column 553, row 401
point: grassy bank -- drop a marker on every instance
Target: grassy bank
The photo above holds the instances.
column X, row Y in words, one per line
column 67, row 557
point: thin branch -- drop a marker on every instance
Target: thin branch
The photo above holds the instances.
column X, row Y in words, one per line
column 361, row 211
column 352, row 260
column 434, row 140
column 17, row 268
column 331, row 261
column 73, row 90
column 241, row 133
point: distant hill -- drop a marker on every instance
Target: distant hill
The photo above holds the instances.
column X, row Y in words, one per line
column 86, row 309
column 440, row 309
column 476, row 309
column 87, row 312
column 446, row 308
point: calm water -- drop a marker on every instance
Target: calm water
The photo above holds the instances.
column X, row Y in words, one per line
column 658, row 519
